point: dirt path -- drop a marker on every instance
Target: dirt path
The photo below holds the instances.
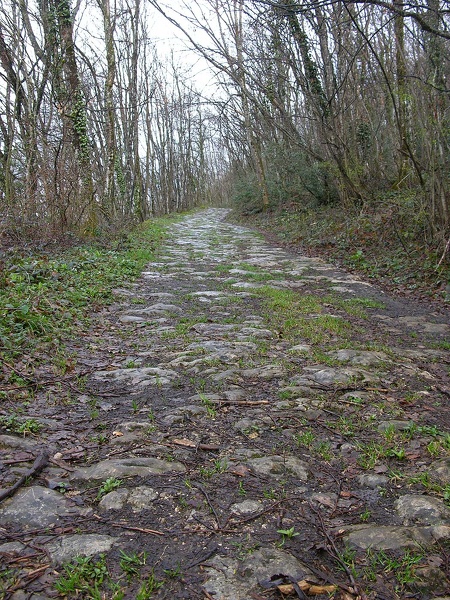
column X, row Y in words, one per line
column 241, row 418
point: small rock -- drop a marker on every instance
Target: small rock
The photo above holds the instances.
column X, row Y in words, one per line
column 235, row 394
column 36, row 507
column 246, row 508
column 115, row 500
column 441, row 470
column 394, row 425
column 347, row 447
column 142, row 376
column 142, row 497
column 300, row 348
column 246, row 425
column 373, row 481
column 209, row 294
column 131, row 319
column 172, row 418
column 193, row 410
column 160, row 307
column 424, row 510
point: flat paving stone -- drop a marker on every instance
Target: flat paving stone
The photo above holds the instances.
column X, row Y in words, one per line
column 231, row 579
column 424, row 510
column 265, row 372
column 132, row 319
column 142, row 377
column 358, row 357
column 14, row 441
column 395, row 537
column 346, row 375
column 126, row 467
column 68, row 547
column 279, row 466
column 246, row 508
column 37, row 507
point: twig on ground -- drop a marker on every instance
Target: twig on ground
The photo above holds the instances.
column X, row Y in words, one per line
column 29, row 578
column 213, row 510
column 334, row 552
column 39, row 464
column 128, row 527
column 203, row 558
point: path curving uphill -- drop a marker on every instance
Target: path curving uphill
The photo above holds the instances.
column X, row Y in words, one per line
column 251, row 418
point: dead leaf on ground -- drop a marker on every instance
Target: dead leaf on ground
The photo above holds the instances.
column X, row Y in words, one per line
column 412, row 455
column 309, row 588
column 381, row 469
column 239, row 470
column 326, row 501
column 287, row 586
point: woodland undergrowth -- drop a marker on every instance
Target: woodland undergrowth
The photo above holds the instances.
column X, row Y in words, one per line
column 46, row 296
column 388, row 241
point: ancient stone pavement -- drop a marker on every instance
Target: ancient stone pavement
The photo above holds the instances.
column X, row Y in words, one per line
column 249, row 413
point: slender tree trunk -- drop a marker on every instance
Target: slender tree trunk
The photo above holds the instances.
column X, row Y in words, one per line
column 109, row 197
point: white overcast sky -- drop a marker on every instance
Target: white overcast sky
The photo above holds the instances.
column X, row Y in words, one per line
column 169, row 38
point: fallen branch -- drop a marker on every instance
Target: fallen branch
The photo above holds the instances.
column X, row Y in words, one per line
column 446, row 249
column 39, row 464
column 128, row 527
column 140, row 529
column 240, row 402
column 61, row 464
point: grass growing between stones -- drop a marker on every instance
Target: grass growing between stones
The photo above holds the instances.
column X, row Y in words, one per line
column 302, row 316
column 13, row 424
column 400, row 568
column 84, row 575
column 90, row 578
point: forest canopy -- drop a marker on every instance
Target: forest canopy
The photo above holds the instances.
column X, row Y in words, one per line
column 315, row 103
